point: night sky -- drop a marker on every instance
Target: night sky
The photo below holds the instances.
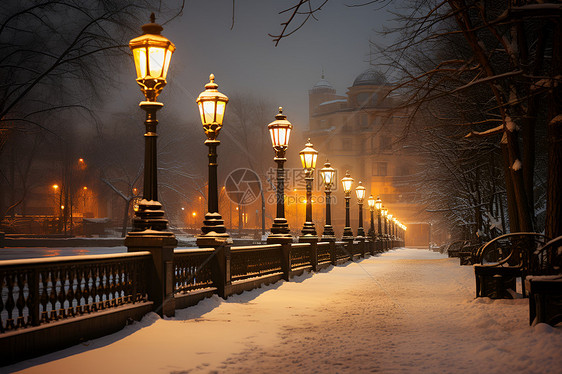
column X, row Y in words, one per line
column 246, row 61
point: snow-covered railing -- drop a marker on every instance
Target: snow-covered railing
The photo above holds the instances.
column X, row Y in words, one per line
column 40, row 291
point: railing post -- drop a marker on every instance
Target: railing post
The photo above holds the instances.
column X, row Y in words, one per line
column 314, row 255
column 349, row 245
column 161, row 276
column 220, row 271
column 33, row 284
column 333, row 255
column 285, row 253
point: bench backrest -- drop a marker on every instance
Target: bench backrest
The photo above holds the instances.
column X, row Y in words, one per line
column 513, row 249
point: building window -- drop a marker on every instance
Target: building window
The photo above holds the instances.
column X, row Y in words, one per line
column 386, row 143
column 347, row 144
column 379, row 169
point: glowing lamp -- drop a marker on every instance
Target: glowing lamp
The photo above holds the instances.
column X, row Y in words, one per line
column 347, row 182
column 308, row 157
column 378, row 203
column 328, row 174
column 280, row 131
column 212, row 106
column 371, row 202
column 152, row 53
column 360, row 192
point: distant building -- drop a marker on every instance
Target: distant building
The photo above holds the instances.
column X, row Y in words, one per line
column 361, row 132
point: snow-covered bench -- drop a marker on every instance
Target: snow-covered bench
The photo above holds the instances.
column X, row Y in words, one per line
column 502, row 260
column 544, row 283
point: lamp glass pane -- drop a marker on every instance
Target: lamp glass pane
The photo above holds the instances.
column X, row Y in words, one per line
column 221, row 106
column 167, row 63
column 313, row 161
column 201, row 112
column 347, row 184
column 308, row 158
column 303, row 161
column 140, row 61
column 371, row 202
column 273, row 136
column 360, row 192
column 378, row 205
column 156, row 63
column 287, row 136
column 208, row 111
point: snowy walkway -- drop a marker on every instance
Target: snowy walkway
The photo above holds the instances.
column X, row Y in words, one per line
column 406, row 311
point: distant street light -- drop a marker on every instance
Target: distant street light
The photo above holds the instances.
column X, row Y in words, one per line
column 280, row 131
column 347, row 183
column 371, row 202
column 378, row 206
column 360, row 193
column 384, row 211
column 212, row 107
column 328, row 174
column 152, row 53
column 308, row 159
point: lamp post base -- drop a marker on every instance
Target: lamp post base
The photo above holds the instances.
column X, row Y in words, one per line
column 347, row 234
column 308, row 239
column 214, row 232
column 328, row 235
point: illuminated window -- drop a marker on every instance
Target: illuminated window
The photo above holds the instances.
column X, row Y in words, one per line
column 379, row 169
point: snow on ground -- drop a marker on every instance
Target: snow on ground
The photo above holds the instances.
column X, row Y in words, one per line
column 405, row 311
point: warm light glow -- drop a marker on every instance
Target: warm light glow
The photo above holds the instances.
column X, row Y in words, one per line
column 182, row 208
column 84, row 188
column 384, row 211
column 378, row 203
column 62, row 206
column 55, row 186
column 389, row 216
column 280, row 131
column 360, row 192
column 328, row 174
column 371, row 201
column 347, row 182
column 212, row 105
column 194, row 214
column 80, row 160
column 308, row 157
column 152, row 53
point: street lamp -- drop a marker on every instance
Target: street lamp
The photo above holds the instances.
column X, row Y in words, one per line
column 308, row 159
column 371, row 202
column 389, row 219
column 328, row 174
column 378, row 207
column 384, row 211
column 360, row 193
column 347, row 182
column 152, row 53
column 280, row 131
column 212, row 106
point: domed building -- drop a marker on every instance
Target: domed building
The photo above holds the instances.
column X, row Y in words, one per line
column 360, row 132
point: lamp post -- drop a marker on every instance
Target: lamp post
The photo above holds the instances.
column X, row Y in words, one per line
column 371, row 202
column 360, row 193
column 328, row 173
column 347, row 182
column 308, row 159
column 152, row 53
column 389, row 219
column 280, row 130
column 378, row 207
column 212, row 106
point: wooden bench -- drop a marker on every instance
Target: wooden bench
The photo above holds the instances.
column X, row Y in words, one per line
column 467, row 255
column 454, row 248
column 502, row 260
column 545, row 299
column 544, row 283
